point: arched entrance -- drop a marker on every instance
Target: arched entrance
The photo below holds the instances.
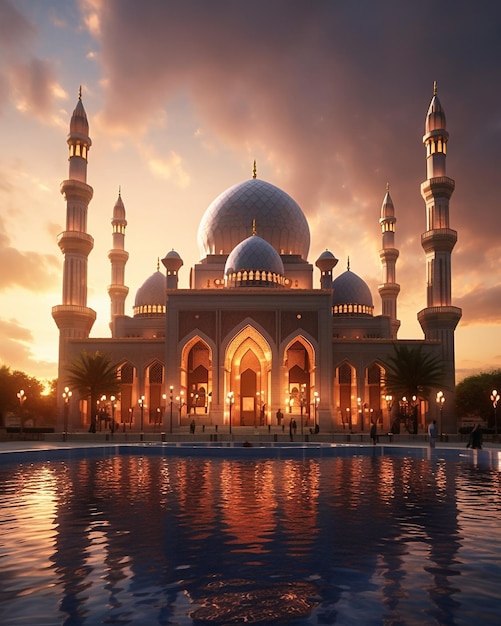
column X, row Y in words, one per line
column 300, row 382
column 247, row 378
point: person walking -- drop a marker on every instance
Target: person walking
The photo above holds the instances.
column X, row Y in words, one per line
column 432, row 433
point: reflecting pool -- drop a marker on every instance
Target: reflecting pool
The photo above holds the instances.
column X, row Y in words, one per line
column 148, row 539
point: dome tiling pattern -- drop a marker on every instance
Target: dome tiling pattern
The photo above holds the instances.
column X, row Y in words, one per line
column 351, row 295
column 150, row 297
column 254, row 262
column 279, row 220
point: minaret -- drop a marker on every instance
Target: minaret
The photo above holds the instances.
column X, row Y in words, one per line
column 172, row 263
column 73, row 318
column 389, row 289
column 439, row 319
column 326, row 262
column 118, row 258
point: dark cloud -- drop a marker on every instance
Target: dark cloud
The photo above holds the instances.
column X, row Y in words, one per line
column 481, row 306
column 338, row 92
column 24, row 79
column 15, row 29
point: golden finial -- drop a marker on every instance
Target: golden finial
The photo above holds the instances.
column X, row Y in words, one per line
column 119, row 190
column 254, row 170
column 348, row 264
column 254, row 232
column 434, row 87
column 387, row 187
column 80, row 92
column 158, row 263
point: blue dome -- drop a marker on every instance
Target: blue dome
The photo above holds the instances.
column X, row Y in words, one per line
column 351, row 295
column 254, row 262
column 278, row 218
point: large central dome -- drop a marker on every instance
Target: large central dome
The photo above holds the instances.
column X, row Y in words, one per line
column 278, row 220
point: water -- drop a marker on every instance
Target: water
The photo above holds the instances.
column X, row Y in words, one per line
column 362, row 539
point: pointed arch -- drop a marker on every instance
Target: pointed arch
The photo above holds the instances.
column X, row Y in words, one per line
column 247, row 365
column 299, row 365
column 196, row 376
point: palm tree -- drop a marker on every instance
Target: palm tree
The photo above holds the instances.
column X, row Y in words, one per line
column 93, row 375
column 412, row 373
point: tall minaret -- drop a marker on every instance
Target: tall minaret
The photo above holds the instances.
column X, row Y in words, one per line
column 389, row 289
column 439, row 319
column 73, row 318
column 118, row 258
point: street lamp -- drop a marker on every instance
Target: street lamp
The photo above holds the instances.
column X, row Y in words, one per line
column 316, row 401
column 495, row 400
column 389, row 405
column 141, row 408
column 440, row 399
column 360, row 415
column 171, row 390
column 231, row 399
column 66, row 398
column 113, row 409
column 22, row 399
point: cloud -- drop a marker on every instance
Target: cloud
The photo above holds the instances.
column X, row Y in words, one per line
column 480, row 305
column 30, row 270
column 15, row 351
column 26, row 81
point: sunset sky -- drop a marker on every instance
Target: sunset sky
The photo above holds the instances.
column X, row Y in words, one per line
column 329, row 97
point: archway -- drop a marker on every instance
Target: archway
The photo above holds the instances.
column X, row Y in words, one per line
column 247, row 376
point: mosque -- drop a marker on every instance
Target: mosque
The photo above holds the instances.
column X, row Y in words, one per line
column 260, row 333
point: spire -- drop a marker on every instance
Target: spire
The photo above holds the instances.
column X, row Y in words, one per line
column 434, row 87
column 254, row 231
column 439, row 319
column 348, row 265
column 388, row 255
column 80, row 92
column 254, row 170
column 118, row 257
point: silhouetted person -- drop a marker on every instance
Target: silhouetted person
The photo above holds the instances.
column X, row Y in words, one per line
column 374, row 433
column 475, row 440
column 432, row 433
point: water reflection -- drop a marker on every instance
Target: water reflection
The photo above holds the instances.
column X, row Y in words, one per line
column 131, row 539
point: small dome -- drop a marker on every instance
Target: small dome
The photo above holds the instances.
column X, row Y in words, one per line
column 150, row 297
column 278, row 218
column 254, row 263
column 351, row 295
column 172, row 261
column 326, row 261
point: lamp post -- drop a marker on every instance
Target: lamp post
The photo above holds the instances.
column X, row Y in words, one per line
column 495, row 400
column 440, row 399
column 316, row 401
column 21, row 396
column 348, row 414
column 389, row 405
column 141, row 408
column 231, row 399
column 360, row 414
column 66, row 398
column 171, row 391
column 113, row 409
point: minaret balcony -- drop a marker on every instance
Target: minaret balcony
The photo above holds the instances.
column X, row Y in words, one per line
column 439, row 186
column 439, row 239
column 76, row 188
column 75, row 241
column 440, row 317
column 74, row 316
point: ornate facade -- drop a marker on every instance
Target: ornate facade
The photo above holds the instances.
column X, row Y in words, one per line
column 259, row 329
